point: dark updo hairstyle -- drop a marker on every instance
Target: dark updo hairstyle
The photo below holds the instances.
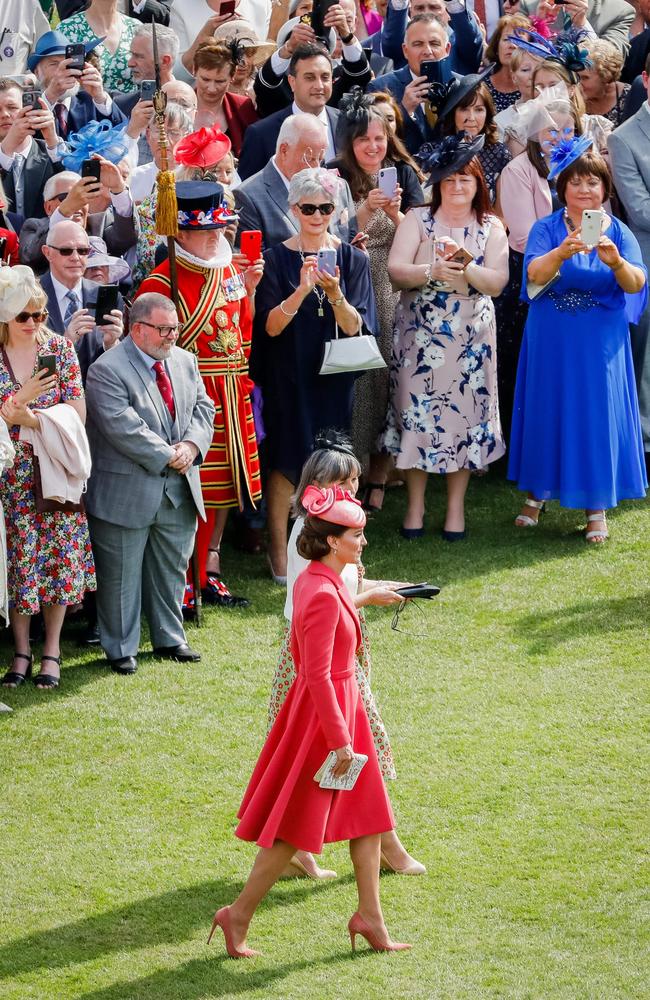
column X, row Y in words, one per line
column 312, row 541
column 590, row 164
column 490, row 129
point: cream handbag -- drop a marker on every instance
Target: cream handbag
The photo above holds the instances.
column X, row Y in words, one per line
column 351, row 354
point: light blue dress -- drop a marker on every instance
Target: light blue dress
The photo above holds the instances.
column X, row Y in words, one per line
column 576, row 430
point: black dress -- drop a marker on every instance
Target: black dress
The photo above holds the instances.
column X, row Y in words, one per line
column 298, row 402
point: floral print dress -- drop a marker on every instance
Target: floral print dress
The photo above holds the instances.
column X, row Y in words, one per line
column 49, row 557
column 443, row 414
column 114, row 65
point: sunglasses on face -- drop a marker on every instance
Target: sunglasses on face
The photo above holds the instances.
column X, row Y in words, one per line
column 68, row 251
column 325, row 209
column 38, row 317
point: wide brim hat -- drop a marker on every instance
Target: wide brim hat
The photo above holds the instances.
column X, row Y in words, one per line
column 288, row 27
column 460, row 88
column 53, row 43
column 118, row 268
column 243, row 32
column 18, row 286
column 203, row 148
column 440, row 160
column 202, row 205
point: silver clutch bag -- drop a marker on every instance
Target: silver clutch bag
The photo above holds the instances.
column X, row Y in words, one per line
column 351, row 354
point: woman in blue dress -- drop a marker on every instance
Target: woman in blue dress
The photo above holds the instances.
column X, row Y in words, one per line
column 576, row 431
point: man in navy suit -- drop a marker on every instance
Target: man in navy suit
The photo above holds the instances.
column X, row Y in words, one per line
column 26, row 163
column 310, row 79
column 425, row 40
column 464, row 35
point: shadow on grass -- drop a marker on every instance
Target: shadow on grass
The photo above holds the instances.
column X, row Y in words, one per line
column 166, row 919
column 74, row 677
column 588, row 618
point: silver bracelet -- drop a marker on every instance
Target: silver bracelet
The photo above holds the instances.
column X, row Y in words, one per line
column 427, row 273
column 282, row 309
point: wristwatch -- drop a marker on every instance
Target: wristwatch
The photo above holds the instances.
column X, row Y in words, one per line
column 347, row 39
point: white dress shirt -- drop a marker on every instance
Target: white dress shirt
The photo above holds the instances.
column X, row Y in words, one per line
column 61, row 292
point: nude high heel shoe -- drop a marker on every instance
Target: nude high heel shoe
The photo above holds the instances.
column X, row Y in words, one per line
column 412, row 867
column 296, row 869
column 357, row 925
column 222, row 920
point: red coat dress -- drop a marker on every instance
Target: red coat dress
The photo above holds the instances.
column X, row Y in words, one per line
column 322, row 711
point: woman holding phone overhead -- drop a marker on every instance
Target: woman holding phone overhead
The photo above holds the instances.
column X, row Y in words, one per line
column 576, row 430
column 49, row 555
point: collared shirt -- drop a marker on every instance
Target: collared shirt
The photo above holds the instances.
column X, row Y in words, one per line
column 54, row 152
column 61, row 292
column 148, row 360
column 122, row 204
column 284, row 179
column 330, row 152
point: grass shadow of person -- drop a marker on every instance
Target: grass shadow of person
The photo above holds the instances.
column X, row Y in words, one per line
column 544, row 632
column 156, row 920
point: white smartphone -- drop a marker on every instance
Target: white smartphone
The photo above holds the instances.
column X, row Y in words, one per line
column 591, row 226
column 326, row 261
column 387, row 181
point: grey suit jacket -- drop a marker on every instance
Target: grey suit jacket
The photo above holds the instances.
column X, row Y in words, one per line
column 131, row 433
column 628, row 147
column 119, row 232
column 610, row 19
column 262, row 204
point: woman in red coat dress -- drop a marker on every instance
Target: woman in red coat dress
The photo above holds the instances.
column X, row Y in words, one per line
column 284, row 809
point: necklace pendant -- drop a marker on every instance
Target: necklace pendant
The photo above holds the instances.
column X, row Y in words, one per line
column 320, row 312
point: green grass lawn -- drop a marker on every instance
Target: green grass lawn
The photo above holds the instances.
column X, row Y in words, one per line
column 520, row 731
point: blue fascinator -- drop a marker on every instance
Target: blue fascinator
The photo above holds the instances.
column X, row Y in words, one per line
column 534, row 43
column 447, row 157
column 95, row 137
column 567, row 152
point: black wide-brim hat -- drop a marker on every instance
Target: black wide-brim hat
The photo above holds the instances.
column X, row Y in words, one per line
column 440, row 160
column 460, row 88
column 201, row 205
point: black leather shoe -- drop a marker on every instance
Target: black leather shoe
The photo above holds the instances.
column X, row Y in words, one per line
column 125, row 665
column 182, row 653
column 91, row 637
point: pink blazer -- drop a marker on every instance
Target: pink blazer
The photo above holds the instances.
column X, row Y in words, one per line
column 525, row 197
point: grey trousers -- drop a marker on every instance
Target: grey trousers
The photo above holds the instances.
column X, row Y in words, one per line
column 142, row 570
column 640, row 340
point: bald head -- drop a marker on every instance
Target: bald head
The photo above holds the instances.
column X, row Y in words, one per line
column 66, row 268
column 181, row 93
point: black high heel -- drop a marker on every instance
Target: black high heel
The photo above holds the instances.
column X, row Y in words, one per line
column 47, row 680
column 12, row 678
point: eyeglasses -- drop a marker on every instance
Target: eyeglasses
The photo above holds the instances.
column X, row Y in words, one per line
column 325, row 209
column 311, row 159
column 68, row 251
column 163, row 331
column 395, row 623
column 38, row 317
column 59, row 197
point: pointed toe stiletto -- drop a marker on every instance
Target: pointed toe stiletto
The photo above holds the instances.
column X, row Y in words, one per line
column 222, row 920
column 296, row 869
column 412, row 867
column 357, row 925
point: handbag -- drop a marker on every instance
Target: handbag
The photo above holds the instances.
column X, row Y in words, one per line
column 351, row 354
column 45, row 505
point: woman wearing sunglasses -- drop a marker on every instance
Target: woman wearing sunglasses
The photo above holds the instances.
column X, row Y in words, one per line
column 298, row 309
column 50, row 562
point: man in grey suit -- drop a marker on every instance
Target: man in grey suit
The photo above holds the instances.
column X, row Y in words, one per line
column 262, row 199
column 150, row 423
column 628, row 149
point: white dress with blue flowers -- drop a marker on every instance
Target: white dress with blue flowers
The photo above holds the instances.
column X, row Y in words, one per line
column 443, row 413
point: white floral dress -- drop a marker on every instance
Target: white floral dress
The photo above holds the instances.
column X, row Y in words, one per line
column 443, row 413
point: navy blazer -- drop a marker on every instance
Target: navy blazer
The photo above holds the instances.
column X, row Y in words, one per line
column 91, row 346
column 38, row 169
column 260, row 140
column 416, row 131
column 466, row 40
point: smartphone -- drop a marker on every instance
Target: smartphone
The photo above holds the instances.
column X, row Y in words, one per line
column 227, row 7
column 387, row 181
column 76, row 54
column 461, row 256
column 435, row 70
column 590, row 228
column 318, row 12
column 91, row 168
column 326, row 261
column 3, row 248
column 106, row 300
column 31, row 98
column 47, row 362
column 250, row 243
column 147, row 90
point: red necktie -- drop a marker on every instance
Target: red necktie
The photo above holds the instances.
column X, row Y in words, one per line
column 61, row 115
column 164, row 384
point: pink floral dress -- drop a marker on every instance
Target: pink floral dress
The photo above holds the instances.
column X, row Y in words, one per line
column 49, row 557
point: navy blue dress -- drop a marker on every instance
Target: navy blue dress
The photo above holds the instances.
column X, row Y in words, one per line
column 298, row 402
column 576, row 430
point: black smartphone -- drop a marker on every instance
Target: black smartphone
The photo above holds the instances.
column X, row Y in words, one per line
column 147, row 90
column 227, row 7
column 91, row 168
column 106, row 301
column 47, row 362
column 424, row 590
column 3, row 247
column 435, row 70
column 76, row 54
column 318, row 12
column 31, row 98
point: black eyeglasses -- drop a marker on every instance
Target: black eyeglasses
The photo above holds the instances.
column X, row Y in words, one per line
column 395, row 623
column 59, row 197
column 163, row 331
column 325, row 209
column 68, row 251
column 38, row 317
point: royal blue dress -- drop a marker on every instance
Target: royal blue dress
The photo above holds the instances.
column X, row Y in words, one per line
column 576, row 429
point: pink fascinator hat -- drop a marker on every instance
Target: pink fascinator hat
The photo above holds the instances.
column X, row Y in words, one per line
column 334, row 505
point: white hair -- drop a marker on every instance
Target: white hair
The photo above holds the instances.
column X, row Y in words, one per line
column 314, row 182
column 52, row 183
column 176, row 116
column 168, row 43
column 294, row 127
